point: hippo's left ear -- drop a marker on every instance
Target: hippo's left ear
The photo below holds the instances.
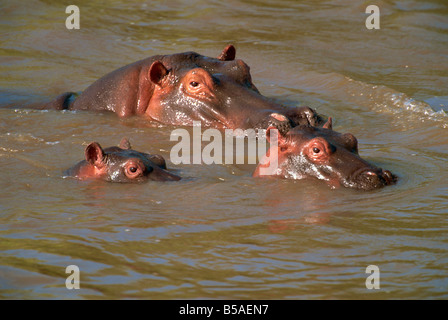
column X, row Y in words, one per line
column 94, row 154
column 125, row 144
column 280, row 122
column 157, row 71
column 272, row 133
column 328, row 124
column 228, row 53
column 158, row 160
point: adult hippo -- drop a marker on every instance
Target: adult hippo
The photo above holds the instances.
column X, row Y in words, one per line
column 310, row 152
column 181, row 88
column 120, row 164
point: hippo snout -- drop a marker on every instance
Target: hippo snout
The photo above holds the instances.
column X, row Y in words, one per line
column 373, row 178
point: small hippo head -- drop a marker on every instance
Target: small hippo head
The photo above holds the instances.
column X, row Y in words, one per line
column 120, row 164
column 306, row 151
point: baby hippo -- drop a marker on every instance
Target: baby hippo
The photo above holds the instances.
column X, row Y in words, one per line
column 305, row 151
column 120, row 164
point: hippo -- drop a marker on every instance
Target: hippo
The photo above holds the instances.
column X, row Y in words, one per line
column 120, row 164
column 180, row 88
column 305, row 151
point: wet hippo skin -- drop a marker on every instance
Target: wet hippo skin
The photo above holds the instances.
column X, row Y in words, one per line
column 120, row 164
column 181, row 88
column 310, row 152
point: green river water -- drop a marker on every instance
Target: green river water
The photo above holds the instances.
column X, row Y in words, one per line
column 219, row 233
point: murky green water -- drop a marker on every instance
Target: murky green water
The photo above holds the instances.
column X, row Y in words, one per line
column 219, row 233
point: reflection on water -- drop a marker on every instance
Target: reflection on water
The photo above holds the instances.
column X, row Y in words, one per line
column 219, row 233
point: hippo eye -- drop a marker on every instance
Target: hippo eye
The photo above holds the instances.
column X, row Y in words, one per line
column 194, row 84
column 133, row 170
column 318, row 150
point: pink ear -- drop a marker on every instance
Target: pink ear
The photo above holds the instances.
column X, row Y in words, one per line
column 157, row 71
column 228, row 53
column 125, row 144
column 94, row 154
column 329, row 124
column 271, row 132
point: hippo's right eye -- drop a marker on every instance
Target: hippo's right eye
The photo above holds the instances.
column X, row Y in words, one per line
column 318, row 150
column 194, row 84
column 133, row 169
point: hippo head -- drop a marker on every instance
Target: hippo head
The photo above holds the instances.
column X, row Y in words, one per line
column 121, row 164
column 306, row 151
column 219, row 92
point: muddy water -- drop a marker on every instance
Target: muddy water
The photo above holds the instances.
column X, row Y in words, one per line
column 219, row 233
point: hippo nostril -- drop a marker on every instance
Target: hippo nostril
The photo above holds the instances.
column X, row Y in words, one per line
column 367, row 173
column 371, row 178
column 388, row 177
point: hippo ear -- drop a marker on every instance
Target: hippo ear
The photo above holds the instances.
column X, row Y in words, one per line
column 157, row 71
column 329, row 124
column 158, row 160
column 280, row 122
column 125, row 144
column 228, row 53
column 94, row 154
column 273, row 132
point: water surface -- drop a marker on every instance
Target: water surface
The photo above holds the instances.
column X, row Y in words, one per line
column 219, row 233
